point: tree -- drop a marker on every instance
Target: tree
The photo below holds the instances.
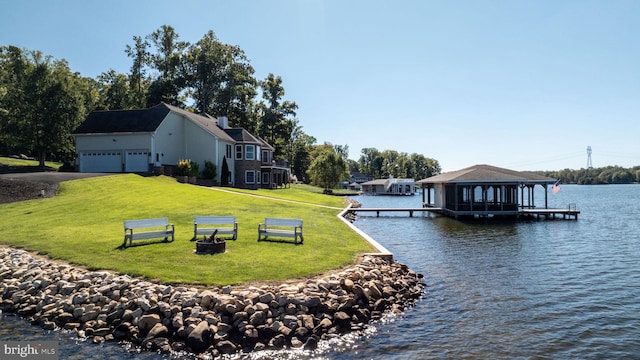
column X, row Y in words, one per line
column 220, row 79
column 370, row 162
column 43, row 104
column 138, row 52
column 327, row 168
column 225, row 174
column 168, row 61
column 299, row 153
column 205, row 66
column 393, row 163
column 114, row 91
column 274, row 112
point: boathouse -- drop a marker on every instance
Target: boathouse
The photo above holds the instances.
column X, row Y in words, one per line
column 390, row 186
column 489, row 191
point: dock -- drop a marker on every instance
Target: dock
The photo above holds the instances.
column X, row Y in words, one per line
column 409, row 210
column 551, row 213
column 541, row 213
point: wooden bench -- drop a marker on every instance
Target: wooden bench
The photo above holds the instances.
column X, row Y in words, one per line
column 206, row 225
column 291, row 228
column 152, row 228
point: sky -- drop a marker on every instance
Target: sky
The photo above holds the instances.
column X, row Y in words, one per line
column 526, row 85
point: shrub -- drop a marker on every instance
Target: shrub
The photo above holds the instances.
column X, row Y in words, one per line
column 194, row 168
column 209, row 171
column 184, row 167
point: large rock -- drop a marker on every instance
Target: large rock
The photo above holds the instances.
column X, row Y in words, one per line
column 147, row 322
column 200, row 338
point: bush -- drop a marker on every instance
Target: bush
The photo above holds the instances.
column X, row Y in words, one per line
column 194, row 169
column 210, row 171
column 184, row 167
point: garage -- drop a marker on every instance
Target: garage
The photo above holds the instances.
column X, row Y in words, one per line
column 101, row 161
column 136, row 161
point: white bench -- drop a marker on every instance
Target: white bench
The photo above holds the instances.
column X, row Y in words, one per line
column 152, row 228
column 206, row 225
column 291, row 228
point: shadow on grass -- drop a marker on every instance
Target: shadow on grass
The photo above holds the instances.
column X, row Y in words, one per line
column 124, row 245
column 281, row 241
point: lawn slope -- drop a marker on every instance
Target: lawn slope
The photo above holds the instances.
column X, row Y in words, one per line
column 83, row 225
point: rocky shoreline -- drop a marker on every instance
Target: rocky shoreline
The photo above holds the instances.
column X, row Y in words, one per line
column 104, row 306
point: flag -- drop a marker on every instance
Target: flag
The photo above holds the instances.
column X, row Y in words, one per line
column 556, row 187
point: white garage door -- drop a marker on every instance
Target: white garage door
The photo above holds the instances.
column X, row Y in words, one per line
column 136, row 161
column 100, row 161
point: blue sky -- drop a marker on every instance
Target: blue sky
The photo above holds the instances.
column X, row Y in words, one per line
column 526, row 85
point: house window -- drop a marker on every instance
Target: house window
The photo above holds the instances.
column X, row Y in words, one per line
column 259, row 176
column 250, row 153
column 250, row 177
column 265, row 178
column 238, row 152
column 229, row 151
column 265, row 157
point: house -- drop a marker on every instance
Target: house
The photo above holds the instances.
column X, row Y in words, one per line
column 358, row 177
column 255, row 166
column 142, row 140
column 484, row 191
column 389, row 186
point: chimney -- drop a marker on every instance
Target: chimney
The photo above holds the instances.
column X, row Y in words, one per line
column 223, row 122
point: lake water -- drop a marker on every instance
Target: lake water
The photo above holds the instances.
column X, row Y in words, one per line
column 557, row 289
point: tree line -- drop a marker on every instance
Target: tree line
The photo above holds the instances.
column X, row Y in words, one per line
column 594, row 176
column 42, row 101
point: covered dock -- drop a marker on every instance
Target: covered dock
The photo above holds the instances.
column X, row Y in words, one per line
column 489, row 191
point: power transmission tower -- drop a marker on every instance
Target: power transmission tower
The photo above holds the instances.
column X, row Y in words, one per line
column 589, row 164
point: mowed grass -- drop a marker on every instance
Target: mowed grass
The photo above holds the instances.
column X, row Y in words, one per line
column 26, row 164
column 83, row 225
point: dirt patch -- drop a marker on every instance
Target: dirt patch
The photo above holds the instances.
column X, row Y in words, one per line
column 34, row 185
column 12, row 190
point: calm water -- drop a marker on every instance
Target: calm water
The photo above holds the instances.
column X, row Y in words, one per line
column 537, row 290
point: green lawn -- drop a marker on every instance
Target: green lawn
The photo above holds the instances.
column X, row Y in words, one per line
column 83, row 225
column 21, row 165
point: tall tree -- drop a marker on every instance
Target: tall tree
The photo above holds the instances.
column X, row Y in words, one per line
column 274, row 112
column 298, row 147
column 168, row 61
column 205, row 67
column 236, row 96
column 140, row 55
column 221, row 82
column 371, row 162
column 44, row 103
column 114, row 91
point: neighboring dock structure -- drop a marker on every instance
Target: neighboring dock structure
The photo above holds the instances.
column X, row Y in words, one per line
column 489, row 191
column 390, row 186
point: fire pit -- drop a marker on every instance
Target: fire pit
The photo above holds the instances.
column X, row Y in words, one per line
column 211, row 245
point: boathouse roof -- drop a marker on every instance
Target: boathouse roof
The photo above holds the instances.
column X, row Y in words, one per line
column 487, row 173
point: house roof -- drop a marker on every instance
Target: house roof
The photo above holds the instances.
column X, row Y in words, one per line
column 144, row 120
column 242, row 135
column 376, row 182
column 388, row 181
column 123, row 121
column 487, row 173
